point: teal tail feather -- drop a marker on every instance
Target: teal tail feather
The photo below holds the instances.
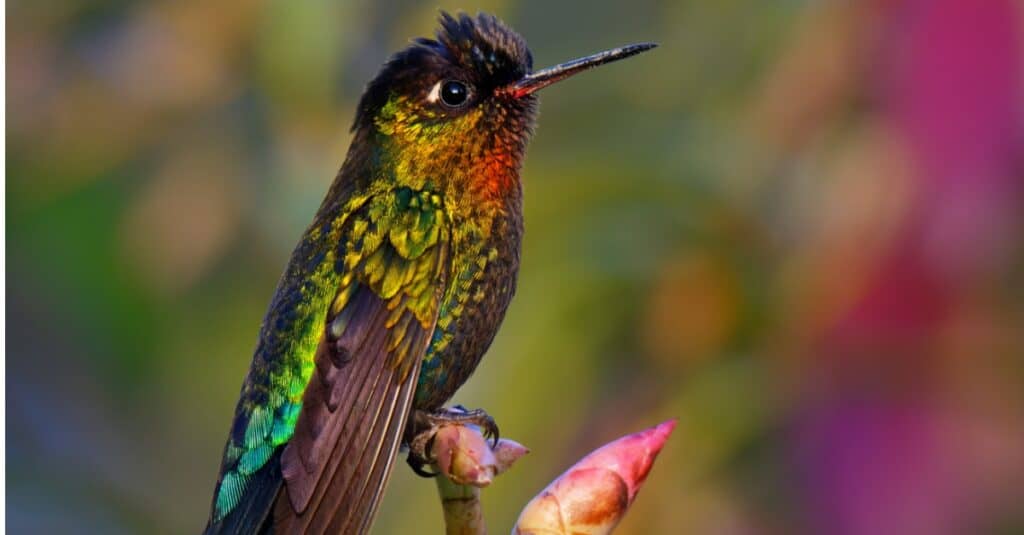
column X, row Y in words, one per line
column 252, row 514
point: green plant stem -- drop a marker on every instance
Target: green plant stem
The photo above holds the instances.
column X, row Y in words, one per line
column 463, row 514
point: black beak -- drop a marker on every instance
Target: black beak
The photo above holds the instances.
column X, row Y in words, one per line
column 543, row 78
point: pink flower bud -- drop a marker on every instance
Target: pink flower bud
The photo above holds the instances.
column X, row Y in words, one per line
column 593, row 496
column 464, row 456
column 508, row 452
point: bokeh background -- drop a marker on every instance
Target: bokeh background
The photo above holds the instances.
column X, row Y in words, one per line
column 796, row 226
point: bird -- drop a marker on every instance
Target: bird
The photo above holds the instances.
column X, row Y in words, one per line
column 395, row 290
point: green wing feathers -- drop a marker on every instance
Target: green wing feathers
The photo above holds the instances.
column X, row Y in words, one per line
column 335, row 368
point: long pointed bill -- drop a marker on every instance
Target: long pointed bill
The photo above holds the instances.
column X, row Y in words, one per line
column 543, row 78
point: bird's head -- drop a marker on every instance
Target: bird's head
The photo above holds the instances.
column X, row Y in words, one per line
column 465, row 99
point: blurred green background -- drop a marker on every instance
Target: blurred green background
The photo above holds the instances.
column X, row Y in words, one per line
column 795, row 225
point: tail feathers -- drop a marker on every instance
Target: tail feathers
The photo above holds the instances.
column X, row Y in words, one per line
column 252, row 515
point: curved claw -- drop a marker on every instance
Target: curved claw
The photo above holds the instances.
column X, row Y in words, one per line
column 477, row 417
column 417, row 464
column 424, row 426
column 490, row 429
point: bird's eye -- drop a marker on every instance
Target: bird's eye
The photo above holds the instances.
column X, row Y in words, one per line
column 454, row 93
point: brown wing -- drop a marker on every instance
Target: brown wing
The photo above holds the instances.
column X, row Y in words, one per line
column 356, row 404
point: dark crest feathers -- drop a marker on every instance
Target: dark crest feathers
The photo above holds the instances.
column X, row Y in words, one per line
column 482, row 46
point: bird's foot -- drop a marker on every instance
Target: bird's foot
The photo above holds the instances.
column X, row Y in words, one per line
column 424, row 425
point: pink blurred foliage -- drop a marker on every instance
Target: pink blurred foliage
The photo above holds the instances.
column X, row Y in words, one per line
column 593, row 495
column 877, row 453
column 952, row 85
column 878, row 469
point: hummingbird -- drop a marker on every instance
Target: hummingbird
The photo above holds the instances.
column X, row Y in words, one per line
column 396, row 289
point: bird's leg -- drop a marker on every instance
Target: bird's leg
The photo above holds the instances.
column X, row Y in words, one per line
column 424, row 425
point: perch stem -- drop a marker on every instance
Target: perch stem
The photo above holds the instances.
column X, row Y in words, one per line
column 463, row 514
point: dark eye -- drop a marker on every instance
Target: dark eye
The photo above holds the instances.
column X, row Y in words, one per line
column 454, row 93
